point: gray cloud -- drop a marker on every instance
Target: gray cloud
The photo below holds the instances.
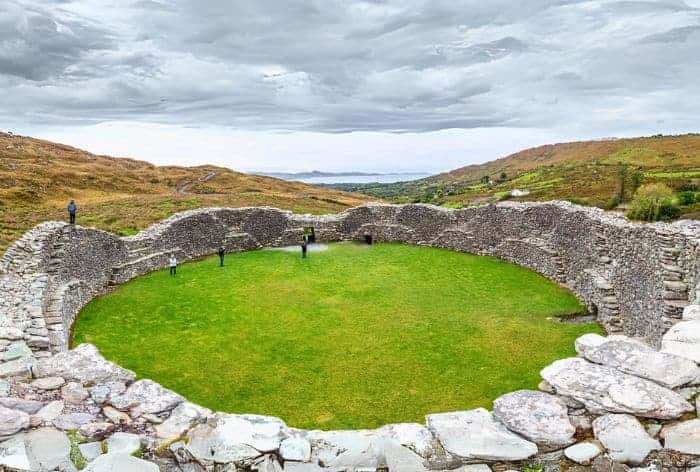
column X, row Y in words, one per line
column 347, row 65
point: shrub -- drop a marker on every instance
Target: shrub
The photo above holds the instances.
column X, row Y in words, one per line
column 686, row 198
column 654, row 202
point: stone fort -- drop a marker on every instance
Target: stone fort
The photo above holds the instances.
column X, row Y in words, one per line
column 639, row 280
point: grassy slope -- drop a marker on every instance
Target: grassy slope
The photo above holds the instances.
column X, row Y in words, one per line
column 124, row 195
column 585, row 172
column 352, row 337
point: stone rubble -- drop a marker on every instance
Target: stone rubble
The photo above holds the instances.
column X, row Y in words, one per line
column 639, row 402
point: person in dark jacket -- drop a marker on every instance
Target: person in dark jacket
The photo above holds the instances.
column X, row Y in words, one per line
column 72, row 209
column 222, row 253
column 303, row 248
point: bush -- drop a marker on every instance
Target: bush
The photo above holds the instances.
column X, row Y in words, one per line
column 687, row 198
column 654, row 202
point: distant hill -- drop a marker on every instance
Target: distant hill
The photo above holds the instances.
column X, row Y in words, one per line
column 37, row 178
column 587, row 172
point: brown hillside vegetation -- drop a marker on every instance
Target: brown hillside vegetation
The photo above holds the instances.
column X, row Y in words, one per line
column 588, row 172
column 37, row 178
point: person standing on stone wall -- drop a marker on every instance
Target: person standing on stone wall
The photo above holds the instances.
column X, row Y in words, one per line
column 172, row 262
column 72, row 209
column 222, row 253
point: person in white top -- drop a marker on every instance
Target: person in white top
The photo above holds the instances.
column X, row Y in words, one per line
column 173, row 264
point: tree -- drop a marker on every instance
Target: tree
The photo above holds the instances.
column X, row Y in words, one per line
column 654, row 202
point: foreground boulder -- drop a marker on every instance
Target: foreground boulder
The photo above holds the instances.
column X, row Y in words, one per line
column 683, row 339
column 603, row 389
column 683, row 437
column 235, row 438
column 642, row 361
column 120, row 462
column 474, row 434
column 539, row 417
column 146, row 396
column 12, row 421
column 84, row 364
column 624, row 437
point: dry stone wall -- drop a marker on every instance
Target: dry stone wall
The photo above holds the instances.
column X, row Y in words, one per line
column 637, row 278
column 640, row 281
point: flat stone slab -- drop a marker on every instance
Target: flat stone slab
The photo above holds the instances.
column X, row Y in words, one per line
column 582, row 453
column 624, row 437
column 683, row 339
column 691, row 312
column 126, row 443
column 49, row 383
column 683, row 437
column 84, row 364
column 146, row 396
column 234, row 438
column 13, row 454
column 12, row 421
column 604, row 389
column 180, row 420
column 642, row 361
column 295, row 449
column 539, row 417
column 71, row 421
column 27, row 406
column 120, row 462
column 474, row 434
column 48, row 449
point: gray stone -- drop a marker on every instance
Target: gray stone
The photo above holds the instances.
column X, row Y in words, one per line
column 295, row 449
column 180, row 420
column 51, row 411
column 17, row 350
column 234, row 438
column 90, row 450
column 12, row 421
column 414, row 436
column 27, row 406
column 146, row 396
column 588, row 341
column 48, row 449
column 643, row 361
column 604, row 389
column 123, row 443
column 84, row 364
column 4, row 388
column 100, row 393
column 116, row 416
column 120, row 462
column 683, row 339
column 48, row 383
column 691, row 312
column 96, row 431
column 539, row 417
column 683, row 437
column 474, row 434
column 13, row 454
column 71, row 421
column 582, row 453
column 17, row 368
column 624, row 437
column 74, row 393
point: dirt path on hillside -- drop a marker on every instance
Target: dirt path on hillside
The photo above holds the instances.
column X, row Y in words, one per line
column 183, row 188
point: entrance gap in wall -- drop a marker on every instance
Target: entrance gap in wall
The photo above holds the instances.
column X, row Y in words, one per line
column 310, row 234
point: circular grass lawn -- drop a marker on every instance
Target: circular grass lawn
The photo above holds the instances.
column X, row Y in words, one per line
column 353, row 337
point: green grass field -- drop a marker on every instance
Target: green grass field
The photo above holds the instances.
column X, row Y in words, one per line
column 354, row 337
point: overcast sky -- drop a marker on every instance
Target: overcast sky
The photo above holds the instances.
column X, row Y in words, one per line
column 383, row 85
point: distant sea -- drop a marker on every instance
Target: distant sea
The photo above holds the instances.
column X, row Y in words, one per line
column 361, row 179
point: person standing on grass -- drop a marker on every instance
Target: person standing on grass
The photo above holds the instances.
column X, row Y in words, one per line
column 173, row 264
column 72, row 209
column 303, row 248
column 222, row 253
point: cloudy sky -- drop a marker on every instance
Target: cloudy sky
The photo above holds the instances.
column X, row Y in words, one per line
column 345, row 84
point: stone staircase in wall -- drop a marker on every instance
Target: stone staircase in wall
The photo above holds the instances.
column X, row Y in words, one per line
column 139, row 261
column 675, row 293
column 608, row 303
column 47, row 321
